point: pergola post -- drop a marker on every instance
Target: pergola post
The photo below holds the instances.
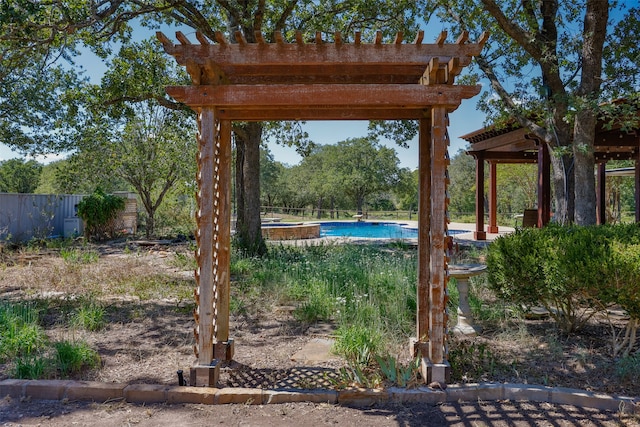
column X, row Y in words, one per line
column 421, row 344
column 213, row 253
column 479, row 234
column 601, row 190
column 437, row 367
column 544, row 185
column 493, row 198
column 637, row 185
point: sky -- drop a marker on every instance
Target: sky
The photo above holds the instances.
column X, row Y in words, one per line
column 462, row 121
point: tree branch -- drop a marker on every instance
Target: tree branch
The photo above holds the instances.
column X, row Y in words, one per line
column 511, row 105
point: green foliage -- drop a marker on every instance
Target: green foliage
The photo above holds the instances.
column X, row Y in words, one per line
column 25, row 345
column 470, row 360
column 32, row 367
column 73, row 357
column 358, row 344
column 89, row 316
column 19, row 176
column 79, row 256
column 397, row 373
column 573, row 271
column 462, row 189
column 319, row 304
column 20, row 333
column 99, row 212
column 627, row 369
column 372, row 288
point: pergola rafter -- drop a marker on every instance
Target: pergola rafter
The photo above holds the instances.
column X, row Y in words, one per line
column 311, row 79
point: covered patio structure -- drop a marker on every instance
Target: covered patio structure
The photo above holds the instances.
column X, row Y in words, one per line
column 515, row 144
column 314, row 79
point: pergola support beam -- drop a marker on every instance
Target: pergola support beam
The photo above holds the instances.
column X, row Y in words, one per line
column 493, row 198
column 273, row 97
column 213, row 254
column 544, row 185
column 437, row 368
column 479, row 234
column 601, row 191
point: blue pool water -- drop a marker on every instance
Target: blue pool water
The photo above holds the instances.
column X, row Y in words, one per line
column 378, row 230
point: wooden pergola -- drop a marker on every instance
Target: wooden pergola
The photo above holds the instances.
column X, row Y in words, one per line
column 318, row 80
column 514, row 144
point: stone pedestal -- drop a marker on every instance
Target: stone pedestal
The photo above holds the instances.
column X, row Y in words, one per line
column 462, row 274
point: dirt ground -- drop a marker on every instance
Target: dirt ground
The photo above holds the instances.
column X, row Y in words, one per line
column 496, row 414
column 148, row 339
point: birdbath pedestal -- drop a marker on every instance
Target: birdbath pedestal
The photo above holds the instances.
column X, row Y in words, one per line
column 462, row 274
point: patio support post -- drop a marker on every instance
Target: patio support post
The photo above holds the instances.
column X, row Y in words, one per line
column 438, row 369
column 479, row 234
column 601, row 189
column 223, row 346
column 213, row 238
column 544, row 185
column 637, row 185
column 493, row 198
column 420, row 344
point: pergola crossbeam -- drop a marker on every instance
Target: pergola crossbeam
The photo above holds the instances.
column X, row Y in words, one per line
column 374, row 96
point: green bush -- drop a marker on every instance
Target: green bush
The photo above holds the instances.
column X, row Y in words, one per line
column 572, row 271
column 99, row 212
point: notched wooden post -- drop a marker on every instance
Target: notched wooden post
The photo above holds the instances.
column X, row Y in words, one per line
column 213, row 254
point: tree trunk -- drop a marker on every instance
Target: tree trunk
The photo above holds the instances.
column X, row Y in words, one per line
column 319, row 208
column 151, row 224
column 563, row 188
column 595, row 30
column 585, row 193
column 240, row 144
column 248, row 228
column 333, row 207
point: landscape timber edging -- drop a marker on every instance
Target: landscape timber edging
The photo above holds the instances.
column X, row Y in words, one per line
column 156, row 393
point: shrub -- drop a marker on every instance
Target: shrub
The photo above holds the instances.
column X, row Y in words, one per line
column 99, row 212
column 572, row 271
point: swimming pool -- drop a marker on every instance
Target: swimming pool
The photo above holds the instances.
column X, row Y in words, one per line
column 371, row 229
column 379, row 230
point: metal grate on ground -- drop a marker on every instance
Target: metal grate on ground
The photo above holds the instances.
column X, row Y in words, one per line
column 298, row 378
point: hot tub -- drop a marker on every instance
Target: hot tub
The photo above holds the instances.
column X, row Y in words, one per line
column 290, row 231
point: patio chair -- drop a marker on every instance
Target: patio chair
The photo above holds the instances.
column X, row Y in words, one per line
column 530, row 218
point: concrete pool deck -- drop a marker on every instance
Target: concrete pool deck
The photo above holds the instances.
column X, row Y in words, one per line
column 462, row 238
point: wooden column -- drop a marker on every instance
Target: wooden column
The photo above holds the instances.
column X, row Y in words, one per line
column 420, row 347
column 601, row 189
column 439, row 369
column 637, row 185
column 480, row 234
column 212, row 255
column 544, row 185
column 223, row 346
column 493, row 198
